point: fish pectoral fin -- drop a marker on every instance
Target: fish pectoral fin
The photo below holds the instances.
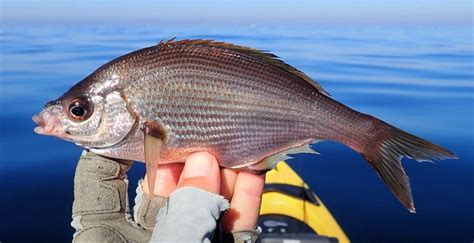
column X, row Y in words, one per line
column 154, row 138
column 270, row 162
column 152, row 156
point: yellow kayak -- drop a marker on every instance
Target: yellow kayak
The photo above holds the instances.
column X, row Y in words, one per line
column 291, row 212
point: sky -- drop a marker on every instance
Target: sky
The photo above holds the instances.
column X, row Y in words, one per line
column 379, row 12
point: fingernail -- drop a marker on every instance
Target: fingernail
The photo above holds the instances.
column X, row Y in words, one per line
column 197, row 166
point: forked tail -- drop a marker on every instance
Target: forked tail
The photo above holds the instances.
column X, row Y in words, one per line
column 385, row 150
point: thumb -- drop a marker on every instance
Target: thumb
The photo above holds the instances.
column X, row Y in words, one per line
column 201, row 170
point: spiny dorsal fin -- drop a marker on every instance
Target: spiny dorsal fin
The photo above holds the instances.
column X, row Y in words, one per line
column 164, row 42
column 260, row 54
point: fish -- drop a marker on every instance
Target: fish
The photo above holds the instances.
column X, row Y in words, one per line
column 245, row 106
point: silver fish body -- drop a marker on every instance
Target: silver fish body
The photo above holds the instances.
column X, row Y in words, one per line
column 244, row 106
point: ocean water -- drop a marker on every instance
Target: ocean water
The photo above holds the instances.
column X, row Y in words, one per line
column 420, row 79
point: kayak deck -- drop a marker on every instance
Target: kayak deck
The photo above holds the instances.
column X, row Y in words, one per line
column 291, row 211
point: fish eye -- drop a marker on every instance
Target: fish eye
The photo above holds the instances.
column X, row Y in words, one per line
column 80, row 109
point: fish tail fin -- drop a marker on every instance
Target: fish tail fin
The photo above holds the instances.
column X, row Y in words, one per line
column 385, row 151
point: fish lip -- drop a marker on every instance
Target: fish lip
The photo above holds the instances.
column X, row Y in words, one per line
column 40, row 129
column 48, row 125
column 38, row 120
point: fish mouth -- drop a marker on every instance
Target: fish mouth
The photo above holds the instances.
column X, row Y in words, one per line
column 38, row 120
column 43, row 128
column 48, row 124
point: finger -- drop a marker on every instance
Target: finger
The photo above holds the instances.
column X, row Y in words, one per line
column 201, row 170
column 245, row 205
column 228, row 177
column 166, row 180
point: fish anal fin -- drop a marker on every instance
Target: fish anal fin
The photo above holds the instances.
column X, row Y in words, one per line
column 305, row 149
column 270, row 162
column 154, row 139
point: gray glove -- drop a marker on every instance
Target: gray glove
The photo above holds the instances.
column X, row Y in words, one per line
column 100, row 209
column 101, row 212
column 191, row 216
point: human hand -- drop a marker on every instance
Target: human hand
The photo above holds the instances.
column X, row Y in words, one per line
column 201, row 170
column 100, row 208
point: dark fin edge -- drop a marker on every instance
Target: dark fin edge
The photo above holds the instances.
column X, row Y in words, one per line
column 387, row 152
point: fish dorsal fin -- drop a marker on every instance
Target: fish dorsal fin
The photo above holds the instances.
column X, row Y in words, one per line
column 263, row 55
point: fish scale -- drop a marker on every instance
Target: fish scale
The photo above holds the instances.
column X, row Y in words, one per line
column 246, row 107
column 191, row 89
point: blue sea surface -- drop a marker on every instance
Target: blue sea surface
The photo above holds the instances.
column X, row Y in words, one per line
column 420, row 79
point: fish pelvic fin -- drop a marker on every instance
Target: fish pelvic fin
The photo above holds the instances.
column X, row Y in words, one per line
column 385, row 152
